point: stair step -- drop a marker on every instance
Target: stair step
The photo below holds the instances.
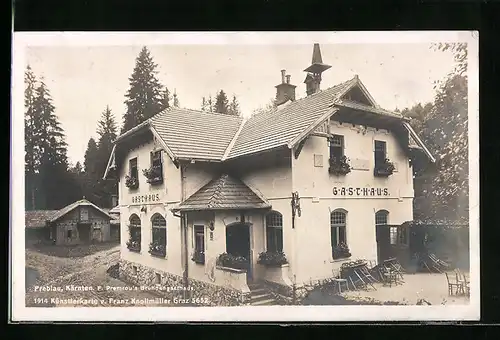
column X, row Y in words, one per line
column 263, row 302
column 258, row 291
column 260, row 297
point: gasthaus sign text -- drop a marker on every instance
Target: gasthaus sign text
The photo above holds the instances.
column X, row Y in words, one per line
column 352, row 191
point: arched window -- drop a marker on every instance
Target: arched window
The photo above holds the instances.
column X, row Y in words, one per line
column 338, row 228
column 274, row 232
column 134, row 227
column 158, row 244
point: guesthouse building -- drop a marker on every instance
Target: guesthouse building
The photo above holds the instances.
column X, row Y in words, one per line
column 218, row 203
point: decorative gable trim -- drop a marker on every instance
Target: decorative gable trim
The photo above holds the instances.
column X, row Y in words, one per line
column 311, row 128
column 419, row 141
column 162, row 143
column 111, row 162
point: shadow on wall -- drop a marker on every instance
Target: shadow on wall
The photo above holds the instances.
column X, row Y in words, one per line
column 448, row 242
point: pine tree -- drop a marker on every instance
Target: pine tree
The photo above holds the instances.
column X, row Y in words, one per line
column 204, row 104
column 165, row 100
column 90, row 161
column 176, row 99
column 271, row 105
column 107, row 135
column 210, row 104
column 144, row 97
column 221, row 103
column 234, row 107
column 31, row 158
column 54, row 180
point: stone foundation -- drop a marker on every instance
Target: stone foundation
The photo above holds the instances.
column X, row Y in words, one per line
column 198, row 292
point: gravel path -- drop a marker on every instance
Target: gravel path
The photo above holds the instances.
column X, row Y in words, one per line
column 82, row 282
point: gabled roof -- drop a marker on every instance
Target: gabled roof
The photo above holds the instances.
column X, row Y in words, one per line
column 38, row 218
column 223, row 193
column 72, row 206
column 283, row 125
column 195, row 134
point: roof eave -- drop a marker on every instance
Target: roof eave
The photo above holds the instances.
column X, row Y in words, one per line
column 419, row 141
column 312, row 127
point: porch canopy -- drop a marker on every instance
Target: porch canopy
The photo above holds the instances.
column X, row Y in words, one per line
column 224, row 193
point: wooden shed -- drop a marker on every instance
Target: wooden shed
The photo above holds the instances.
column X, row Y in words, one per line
column 77, row 223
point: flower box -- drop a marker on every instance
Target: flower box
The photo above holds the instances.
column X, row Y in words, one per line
column 341, row 252
column 272, row 259
column 134, row 245
column 340, row 166
column 384, row 169
column 157, row 249
column 153, row 175
column 198, row 257
column 232, row 261
column 131, row 182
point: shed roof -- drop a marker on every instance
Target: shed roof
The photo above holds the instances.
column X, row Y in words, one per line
column 38, row 218
column 224, row 193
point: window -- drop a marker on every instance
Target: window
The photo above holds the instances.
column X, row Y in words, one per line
column 158, row 244
column 134, row 173
column 336, row 147
column 274, row 232
column 199, row 239
column 338, row 233
column 69, row 234
column 381, row 217
column 379, row 153
column 399, row 235
column 155, row 173
column 134, row 242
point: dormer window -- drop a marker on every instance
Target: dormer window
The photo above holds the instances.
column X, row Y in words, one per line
column 132, row 179
column 154, row 174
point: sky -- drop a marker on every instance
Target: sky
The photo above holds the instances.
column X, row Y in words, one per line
column 83, row 80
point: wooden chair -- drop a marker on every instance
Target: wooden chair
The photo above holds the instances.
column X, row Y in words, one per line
column 457, row 284
column 464, row 280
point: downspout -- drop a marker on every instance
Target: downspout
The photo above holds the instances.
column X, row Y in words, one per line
column 184, row 226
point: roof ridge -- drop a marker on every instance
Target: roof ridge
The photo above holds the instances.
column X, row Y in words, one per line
column 218, row 189
column 233, row 140
column 212, row 113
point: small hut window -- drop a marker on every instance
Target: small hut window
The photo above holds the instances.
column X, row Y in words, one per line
column 274, row 232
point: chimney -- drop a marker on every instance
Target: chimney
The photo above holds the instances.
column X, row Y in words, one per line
column 313, row 78
column 284, row 91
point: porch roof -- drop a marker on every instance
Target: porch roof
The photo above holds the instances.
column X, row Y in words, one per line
column 224, row 193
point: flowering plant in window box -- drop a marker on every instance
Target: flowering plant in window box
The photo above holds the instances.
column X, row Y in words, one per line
column 153, row 174
column 232, row 261
column 339, row 166
column 198, row 257
column 131, row 182
column 272, row 259
column 384, row 169
column 157, row 249
column 134, row 245
column 341, row 251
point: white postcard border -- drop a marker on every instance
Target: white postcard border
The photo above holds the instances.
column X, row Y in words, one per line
column 19, row 312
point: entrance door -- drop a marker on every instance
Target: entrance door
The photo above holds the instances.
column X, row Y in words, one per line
column 84, row 232
column 238, row 244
